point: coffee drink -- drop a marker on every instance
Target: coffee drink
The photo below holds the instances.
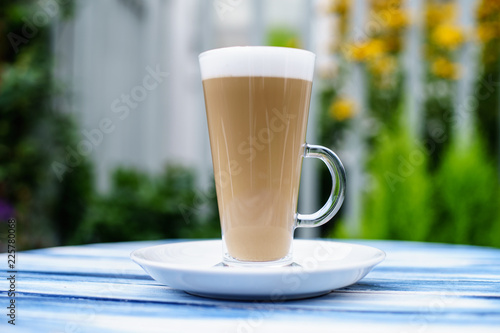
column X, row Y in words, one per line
column 257, row 103
column 257, row 128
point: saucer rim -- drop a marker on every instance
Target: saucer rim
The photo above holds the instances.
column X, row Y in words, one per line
column 377, row 257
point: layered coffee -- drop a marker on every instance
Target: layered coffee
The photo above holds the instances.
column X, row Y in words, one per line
column 257, row 127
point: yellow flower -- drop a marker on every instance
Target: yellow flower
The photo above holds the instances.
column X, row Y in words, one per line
column 486, row 32
column 366, row 50
column 438, row 13
column 448, row 36
column 393, row 42
column 398, row 18
column 487, row 8
column 444, row 68
column 340, row 7
column 394, row 18
column 384, row 65
column 384, row 4
column 342, row 109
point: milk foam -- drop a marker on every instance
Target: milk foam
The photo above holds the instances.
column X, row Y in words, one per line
column 257, row 61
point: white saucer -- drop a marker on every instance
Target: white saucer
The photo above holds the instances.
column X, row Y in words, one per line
column 319, row 267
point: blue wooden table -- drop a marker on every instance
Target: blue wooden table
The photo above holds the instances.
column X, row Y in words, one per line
column 420, row 287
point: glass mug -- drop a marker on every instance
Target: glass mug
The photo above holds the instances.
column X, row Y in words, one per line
column 257, row 104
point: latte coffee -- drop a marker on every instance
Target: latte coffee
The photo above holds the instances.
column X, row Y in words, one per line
column 257, row 128
column 257, row 104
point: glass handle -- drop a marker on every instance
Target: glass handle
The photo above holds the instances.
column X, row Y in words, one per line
column 336, row 198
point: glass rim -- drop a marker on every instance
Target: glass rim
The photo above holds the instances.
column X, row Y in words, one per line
column 261, row 47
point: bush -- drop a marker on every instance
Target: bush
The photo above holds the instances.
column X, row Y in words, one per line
column 34, row 131
column 406, row 199
column 398, row 202
column 467, row 196
column 143, row 207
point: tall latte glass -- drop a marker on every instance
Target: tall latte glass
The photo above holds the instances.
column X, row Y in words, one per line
column 257, row 103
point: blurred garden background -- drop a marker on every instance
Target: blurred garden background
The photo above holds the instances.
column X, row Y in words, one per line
column 103, row 132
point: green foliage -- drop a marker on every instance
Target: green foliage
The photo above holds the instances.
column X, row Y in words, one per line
column 398, row 202
column 438, row 107
column 330, row 132
column 467, row 196
column 433, row 187
column 487, row 110
column 34, row 133
column 141, row 207
column 406, row 199
column 384, row 97
column 283, row 36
